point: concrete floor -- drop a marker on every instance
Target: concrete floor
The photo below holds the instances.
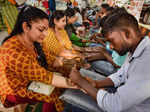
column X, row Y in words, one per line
column 3, row 34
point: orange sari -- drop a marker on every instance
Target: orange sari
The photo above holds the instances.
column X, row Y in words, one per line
column 18, row 67
column 53, row 45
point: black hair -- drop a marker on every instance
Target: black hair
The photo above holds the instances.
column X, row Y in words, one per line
column 110, row 9
column 69, row 12
column 77, row 9
column 88, row 8
column 94, row 13
column 29, row 14
column 41, row 56
column 58, row 14
column 83, row 12
column 86, row 25
column 119, row 19
column 105, row 6
column 118, row 10
column 69, row 4
column 103, row 21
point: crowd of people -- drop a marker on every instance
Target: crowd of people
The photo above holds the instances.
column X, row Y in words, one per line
column 52, row 47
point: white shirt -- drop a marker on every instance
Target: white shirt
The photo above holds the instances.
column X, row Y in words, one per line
column 134, row 94
column 79, row 20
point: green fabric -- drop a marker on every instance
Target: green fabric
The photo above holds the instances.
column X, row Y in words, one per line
column 9, row 12
column 28, row 108
column 76, row 40
column 2, row 25
column 119, row 60
column 38, row 108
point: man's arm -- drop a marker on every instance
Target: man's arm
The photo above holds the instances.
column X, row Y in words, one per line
column 84, row 84
column 113, row 80
column 104, row 83
column 123, row 99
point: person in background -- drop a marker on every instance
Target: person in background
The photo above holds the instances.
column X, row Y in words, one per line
column 80, row 42
column 103, row 9
column 104, row 16
column 98, row 19
column 69, row 4
column 58, row 43
column 57, row 39
column 107, row 68
column 71, row 18
column 52, row 5
column 132, row 80
column 103, row 12
column 22, row 61
column 79, row 20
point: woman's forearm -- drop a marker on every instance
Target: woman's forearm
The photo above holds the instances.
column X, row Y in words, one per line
column 61, row 82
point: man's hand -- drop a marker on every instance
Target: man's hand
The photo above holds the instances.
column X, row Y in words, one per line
column 82, row 82
column 58, row 62
column 75, row 75
column 91, row 81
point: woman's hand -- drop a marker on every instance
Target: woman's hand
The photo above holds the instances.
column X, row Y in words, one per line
column 75, row 75
column 86, row 65
column 68, row 54
column 58, row 62
column 91, row 81
column 69, row 82
column 77, row 48
column 72, row 85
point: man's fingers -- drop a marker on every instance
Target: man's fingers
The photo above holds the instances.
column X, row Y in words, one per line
column 74, row 67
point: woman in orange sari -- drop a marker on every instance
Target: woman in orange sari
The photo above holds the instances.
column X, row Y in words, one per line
column 23, row 61
column 57, row 40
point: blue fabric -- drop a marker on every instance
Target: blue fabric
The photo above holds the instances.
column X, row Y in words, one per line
column 119, row 60
column 52, row 5
column 98, row 21
column 103, row 67
column 93, row 30
column 108, row 48
column 76, row 24
column 95, row 45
